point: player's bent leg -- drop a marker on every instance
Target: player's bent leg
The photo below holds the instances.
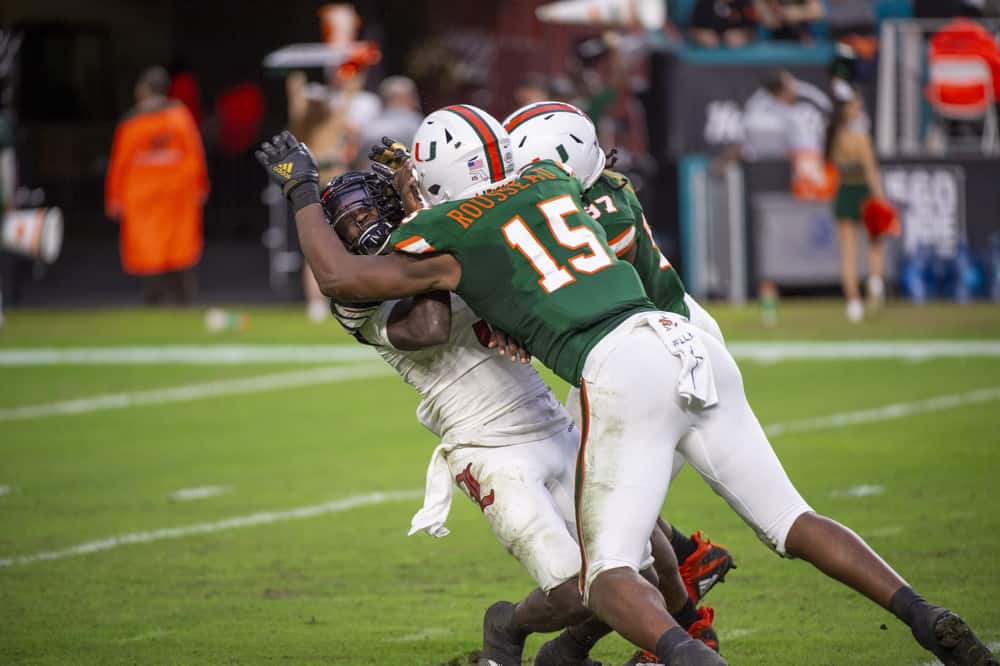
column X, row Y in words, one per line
column 511, row 485
column 730, row 450
column 844, row 556
column 697, row 622
column 632, row 417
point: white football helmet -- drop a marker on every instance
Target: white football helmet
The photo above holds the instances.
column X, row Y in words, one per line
column 458, row 152
column 556, row 131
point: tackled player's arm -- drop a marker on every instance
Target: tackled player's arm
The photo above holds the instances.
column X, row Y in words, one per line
column 346, row 277
column 421, row 321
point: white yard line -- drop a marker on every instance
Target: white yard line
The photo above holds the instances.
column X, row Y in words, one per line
column 912, row 350
column 242, row 385
column 4, row 490
column 866, row 490
column 886, row 412
column 768, row 352
column 186, row 355
column 200, row 492
column 263, row 518
column 734, row 634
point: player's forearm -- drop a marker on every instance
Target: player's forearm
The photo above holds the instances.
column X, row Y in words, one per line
column 350, row 278
column 324, row 252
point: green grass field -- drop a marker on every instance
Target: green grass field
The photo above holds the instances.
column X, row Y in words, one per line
column 247, row 579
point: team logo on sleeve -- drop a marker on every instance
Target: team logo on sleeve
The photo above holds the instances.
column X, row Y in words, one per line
column 472, row 487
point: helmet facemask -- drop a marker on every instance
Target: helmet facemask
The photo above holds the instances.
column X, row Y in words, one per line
column 356, row 193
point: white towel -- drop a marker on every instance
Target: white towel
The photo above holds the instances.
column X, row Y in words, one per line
column 695, row 383
column 437, row 496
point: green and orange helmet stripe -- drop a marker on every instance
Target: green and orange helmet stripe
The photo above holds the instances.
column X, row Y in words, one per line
column 487, row 136
column 540, row 109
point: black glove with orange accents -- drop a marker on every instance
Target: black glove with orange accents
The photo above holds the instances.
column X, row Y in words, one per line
column 292, row 167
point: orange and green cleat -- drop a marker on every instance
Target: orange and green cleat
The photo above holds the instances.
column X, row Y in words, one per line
column 702, row 630
column 705, row 567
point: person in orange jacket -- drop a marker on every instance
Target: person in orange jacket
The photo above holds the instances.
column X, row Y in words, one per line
column 156, row 185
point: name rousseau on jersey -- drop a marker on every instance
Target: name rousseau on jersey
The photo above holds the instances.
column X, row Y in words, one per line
column 470, row 210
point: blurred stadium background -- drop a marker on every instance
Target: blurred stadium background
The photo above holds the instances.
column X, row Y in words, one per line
column 229, row 482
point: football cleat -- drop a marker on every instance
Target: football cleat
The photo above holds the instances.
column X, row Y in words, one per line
column 955, row 644
column 500, row 646
column 705, row 567
column 702, row 630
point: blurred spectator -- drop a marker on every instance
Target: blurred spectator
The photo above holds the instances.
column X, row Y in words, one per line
column 156, row 184
column 605, row 89
column 773, row 127
column 329, row 119
column 400, row 115
column 716, row 23
column 789, row 20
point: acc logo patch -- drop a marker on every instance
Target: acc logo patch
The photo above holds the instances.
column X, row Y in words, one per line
column 283, row 170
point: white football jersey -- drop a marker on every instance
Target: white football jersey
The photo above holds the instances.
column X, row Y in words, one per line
column 470, row 394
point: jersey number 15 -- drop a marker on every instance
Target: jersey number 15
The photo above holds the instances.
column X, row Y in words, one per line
column 552, row 276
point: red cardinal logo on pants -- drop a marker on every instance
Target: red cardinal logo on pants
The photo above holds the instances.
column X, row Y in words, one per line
column 472, row 486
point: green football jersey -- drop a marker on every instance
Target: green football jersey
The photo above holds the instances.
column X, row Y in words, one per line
column 534, row 264
column 613, row 203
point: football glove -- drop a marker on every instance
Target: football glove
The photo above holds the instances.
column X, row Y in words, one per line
column 292, row 167
column 391, row 153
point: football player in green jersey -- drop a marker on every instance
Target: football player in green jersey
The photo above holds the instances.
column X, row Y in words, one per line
column 524, row 255
column 555, row 130
column 562, row 132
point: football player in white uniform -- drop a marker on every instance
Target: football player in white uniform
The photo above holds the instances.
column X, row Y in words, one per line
column 505, row 441
column 736, row 459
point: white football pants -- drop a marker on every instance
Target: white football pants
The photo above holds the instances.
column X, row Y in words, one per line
column 634, row 421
